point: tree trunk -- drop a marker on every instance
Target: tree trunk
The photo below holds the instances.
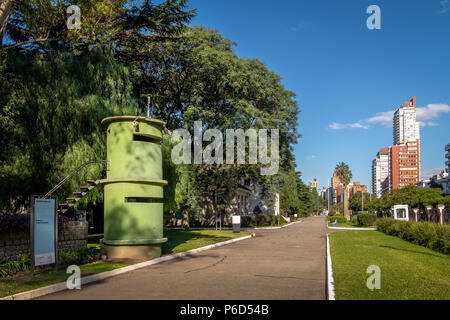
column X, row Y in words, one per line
column 185, row 223
column 346, row 212
column 6, row 8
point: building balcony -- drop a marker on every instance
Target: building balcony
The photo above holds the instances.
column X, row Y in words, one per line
column 447, row 163
column 447, row 147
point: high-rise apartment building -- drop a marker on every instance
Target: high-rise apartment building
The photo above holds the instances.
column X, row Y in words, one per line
column 404, row 165
column 404, row 155
column 447, row 148
column 313, row 185
column 380, row 171
column 406, row 127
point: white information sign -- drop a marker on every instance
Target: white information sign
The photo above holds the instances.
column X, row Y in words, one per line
column 44, row 231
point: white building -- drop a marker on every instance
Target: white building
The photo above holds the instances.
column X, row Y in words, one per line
column 447, row 148
column 380, row 171
column 406, row 127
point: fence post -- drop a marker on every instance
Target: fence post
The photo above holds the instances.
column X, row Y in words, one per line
column 416, row 214
column 428, row 209
column 441, row 213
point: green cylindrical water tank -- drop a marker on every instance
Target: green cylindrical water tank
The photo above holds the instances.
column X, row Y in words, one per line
column 133, row 188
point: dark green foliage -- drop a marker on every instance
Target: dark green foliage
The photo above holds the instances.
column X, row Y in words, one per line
column 53, row 104
column 12, row 267
column 411, row 195
column 358, row 203
column 260, row 219
column 265, row 220
column 246, row 221
column 79, row 257
column 125, row 24
column 366, row 219
column 430, row 235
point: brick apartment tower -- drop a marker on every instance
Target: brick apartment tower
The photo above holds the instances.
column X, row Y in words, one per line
column 404, row 155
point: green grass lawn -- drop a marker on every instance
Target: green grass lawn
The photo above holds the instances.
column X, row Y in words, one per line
column 347, row 224
column 408, row 271
column 23, row 281
column 180, row 241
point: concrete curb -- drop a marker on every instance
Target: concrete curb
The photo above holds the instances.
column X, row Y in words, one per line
column 274, row 228
column 104, row 275
column 330, row 280
column 243, row 229
column 356, row 229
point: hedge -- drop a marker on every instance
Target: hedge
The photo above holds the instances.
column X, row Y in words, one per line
column 366, row 219
column 20, row 222
column 431, row 235
column 340, row 219
column 261, row 219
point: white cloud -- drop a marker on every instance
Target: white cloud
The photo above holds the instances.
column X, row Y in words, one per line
column 445, row 6
column 383, row 118
column 432, row 111
column 424, row 116
column 426, row 174
column 311, row 157
column 340, row 126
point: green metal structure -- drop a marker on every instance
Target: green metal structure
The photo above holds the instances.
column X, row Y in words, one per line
column 133, row 188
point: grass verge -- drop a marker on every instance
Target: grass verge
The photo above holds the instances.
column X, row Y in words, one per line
column 408, row 271
column 348, row 224
column 23, row 281
column 180, row 240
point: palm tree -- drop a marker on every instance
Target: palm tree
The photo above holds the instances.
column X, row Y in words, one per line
column 345, row 176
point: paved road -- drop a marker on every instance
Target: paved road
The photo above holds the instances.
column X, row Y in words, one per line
column 287, row 263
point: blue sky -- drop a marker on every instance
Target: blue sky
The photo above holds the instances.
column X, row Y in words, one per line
column 348, row 78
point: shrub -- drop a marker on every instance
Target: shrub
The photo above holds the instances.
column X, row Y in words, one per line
column 340, row 219
column 273, row 220
column 11, row 267
column 260, row 219
column 366, row 219
column 246, row 221
column 78, row 257
column 426, row 234
column 20, row 222
column 14, row 222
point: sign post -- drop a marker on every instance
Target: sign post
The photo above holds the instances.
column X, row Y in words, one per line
column 43, row 232
column 236, row 221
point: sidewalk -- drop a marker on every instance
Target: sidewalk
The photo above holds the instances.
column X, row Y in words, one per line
column 276, row 264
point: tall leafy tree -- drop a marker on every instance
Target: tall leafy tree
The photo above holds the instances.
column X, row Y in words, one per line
column 359, row 201
column 52, row 109
column 344, row 174
column 200, row 78
column 123, row 24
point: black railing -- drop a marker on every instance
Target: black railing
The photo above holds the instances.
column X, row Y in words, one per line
column 73, row 173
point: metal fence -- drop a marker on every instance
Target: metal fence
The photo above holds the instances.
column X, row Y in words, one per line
column 421, row 215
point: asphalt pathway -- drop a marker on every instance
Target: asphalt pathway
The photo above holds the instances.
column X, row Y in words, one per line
column 288, row 263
